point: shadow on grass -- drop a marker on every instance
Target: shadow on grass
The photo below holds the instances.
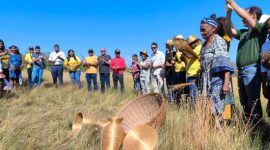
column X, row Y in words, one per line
column 263, row 130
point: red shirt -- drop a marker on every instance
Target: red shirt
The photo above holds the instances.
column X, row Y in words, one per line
column 118, row 65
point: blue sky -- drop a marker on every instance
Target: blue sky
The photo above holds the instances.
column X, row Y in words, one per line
column 130, row 26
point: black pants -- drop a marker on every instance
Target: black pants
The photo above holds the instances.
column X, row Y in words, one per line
column 120, row 78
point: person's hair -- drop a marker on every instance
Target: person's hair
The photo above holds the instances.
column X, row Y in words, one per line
column 221, row 29
column 255, row 10
column 37, row 47
column 68, row 58
column 13, row 46
column 135, row 56
column 56, row 45
column 154, row 43
column 2, row 48
column 266, row 23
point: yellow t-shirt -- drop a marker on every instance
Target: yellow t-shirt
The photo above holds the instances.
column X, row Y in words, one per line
column 28, row 60
column 5, row 61
column 179, row 66
column 73, row 64
column 193, row 64
column 93, row 61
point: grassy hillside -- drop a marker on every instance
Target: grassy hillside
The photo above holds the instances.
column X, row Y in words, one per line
column 42, row 119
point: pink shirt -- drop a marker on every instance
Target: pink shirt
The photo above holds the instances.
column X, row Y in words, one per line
column 118, row 63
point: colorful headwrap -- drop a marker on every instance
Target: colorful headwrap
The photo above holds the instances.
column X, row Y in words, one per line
column 210, row 21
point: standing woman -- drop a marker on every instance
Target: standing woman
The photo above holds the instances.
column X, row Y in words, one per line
column 215, row 67
column 38, row 60
column 15, row 64
column 4, row 59
column 73, row 63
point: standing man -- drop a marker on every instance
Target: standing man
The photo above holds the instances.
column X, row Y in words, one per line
column 157, row 63
column 57, row 59
column 248, row 58
column 104, row 62
column 118, row 66
column 91, row 63
column 38, row 60
column 29, row 66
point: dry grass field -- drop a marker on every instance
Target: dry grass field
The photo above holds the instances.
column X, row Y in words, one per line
column 42, row 119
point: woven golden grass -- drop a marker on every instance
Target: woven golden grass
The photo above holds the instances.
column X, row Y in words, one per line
column 113, row 134
column 148, row 109
column 142, row 137
column 183, row 46
column 179, row 86
column 81, row 120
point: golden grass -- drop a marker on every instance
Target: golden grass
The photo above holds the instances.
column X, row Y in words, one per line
column 42, row 119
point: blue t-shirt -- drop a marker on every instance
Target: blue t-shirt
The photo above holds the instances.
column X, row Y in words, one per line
column 15, row 60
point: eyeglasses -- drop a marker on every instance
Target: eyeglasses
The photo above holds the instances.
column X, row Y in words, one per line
column 103, row 51
column 153, row 47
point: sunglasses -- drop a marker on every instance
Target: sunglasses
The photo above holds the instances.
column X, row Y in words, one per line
column 153, row 47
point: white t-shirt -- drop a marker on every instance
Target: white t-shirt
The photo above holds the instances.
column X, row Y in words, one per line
column 54, row 57
column 157, row 59
column 266, row 48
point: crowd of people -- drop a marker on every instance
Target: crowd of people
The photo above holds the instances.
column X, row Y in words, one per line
column 204, row 65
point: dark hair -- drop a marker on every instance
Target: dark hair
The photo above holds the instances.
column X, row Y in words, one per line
column 56, row 45
column 154, row 43
column 68, row 58
column 255, row 10
column 37, row 47
column 2, row 48
column 135, row 55
column 221, row 29
column 13, row 46
column 31, row 48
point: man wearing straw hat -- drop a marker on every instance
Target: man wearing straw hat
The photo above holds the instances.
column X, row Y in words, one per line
column 157, row 63
column 169, row 69
column 193, row 65
column 248, row 58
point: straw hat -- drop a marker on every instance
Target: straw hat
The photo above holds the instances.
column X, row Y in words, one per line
column 179, row 37
column 169, row 42
column 142, row 137
column 191, row 39
column 144, row 52
column 2, row 75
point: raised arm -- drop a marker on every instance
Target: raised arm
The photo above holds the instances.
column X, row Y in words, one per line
column 230, row 28
column 250, row 22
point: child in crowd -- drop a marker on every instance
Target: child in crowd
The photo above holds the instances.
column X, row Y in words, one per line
column 135, row 70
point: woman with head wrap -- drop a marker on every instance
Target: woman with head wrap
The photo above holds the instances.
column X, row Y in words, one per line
column 4, row 59
column 215, row 67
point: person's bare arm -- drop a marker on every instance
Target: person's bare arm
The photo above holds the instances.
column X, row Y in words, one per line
column 250, row 22
column 230, row 29
column 226, row 84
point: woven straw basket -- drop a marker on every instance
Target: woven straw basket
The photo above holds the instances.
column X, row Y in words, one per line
column 183, row 46
column 148, row 109
column 265, row 56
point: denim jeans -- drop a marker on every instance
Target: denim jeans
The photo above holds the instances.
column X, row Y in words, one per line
column 193, row 88
column 249, row 83
column 137, row 84
column 29, row 73
column 57, row 72
column 37, row 74
column 89, row 78
column 104, row 78
column 119, row 78
column 75, row 76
